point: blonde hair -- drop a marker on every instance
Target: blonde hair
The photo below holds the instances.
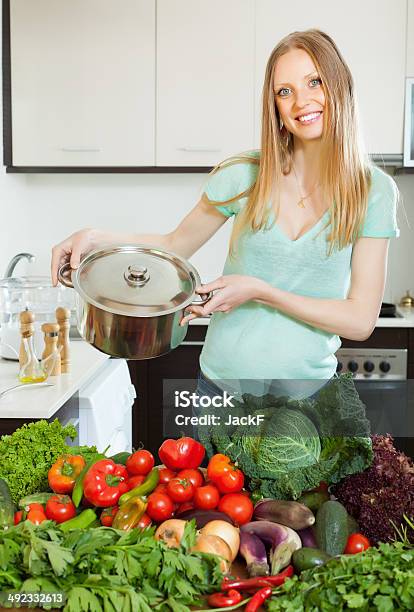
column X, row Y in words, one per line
column 345, row 178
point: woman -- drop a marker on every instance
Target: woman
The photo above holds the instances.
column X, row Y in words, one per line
column 313, row 218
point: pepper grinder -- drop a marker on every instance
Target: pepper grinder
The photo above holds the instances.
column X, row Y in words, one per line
column 63, row 319
column 26, row 330
column 51, row 356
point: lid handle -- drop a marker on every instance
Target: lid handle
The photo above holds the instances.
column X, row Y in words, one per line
column 136, row 276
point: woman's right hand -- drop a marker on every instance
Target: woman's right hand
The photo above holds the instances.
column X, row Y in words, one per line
column 73, row 248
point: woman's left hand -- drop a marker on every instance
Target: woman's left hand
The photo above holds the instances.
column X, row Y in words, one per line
column 231, row 291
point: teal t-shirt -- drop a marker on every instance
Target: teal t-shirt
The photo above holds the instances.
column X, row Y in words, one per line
column 257, row 342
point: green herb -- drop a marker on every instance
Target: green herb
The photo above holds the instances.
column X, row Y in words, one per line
column 378, row 579
column 28, row 453
column 106, row 570
column 299, row 443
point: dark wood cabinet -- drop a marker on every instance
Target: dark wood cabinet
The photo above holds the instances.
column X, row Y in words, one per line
column 183, row 363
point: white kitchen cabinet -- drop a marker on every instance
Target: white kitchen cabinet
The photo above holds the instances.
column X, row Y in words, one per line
column 205, row 80
column 83, row 82
column 371, row 35
column 410, row 39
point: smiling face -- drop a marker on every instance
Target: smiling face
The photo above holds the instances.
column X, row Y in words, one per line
column 299, row 95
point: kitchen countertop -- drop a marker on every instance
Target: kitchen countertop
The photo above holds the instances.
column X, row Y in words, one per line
column 44, row 402
column 405, row 318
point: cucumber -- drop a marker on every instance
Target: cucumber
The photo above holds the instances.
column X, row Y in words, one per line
column 314, row 500
column 331, row 529
column 121, row 457
column 6, row 506
column 307, row 558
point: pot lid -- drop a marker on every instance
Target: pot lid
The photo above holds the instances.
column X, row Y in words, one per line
column 136, row 280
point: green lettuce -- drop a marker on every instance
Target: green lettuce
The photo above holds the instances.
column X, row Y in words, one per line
column 299, row 443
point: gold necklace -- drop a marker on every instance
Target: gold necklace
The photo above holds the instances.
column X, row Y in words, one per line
column 301, row 202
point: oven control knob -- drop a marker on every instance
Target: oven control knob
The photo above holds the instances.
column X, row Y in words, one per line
column 339, row 366
column 369, row 366
column 352, row 366
column 385, row 366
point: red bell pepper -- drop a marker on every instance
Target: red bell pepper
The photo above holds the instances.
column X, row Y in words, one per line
column 181, row 454
column 64, row 472
column 105, row 482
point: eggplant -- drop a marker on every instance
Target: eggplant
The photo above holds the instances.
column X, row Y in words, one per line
column 202, row 517
column 253, row 551
column 307, row 537
column 283, row 540
column 289, row 513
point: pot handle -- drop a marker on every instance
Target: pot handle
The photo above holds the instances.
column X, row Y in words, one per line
column 204, row 300
column 64, row 277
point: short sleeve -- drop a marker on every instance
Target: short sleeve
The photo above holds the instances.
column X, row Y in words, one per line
column 228, row 182
column 381, row 218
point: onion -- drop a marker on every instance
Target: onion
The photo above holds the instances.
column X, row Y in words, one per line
column 225, row 531
column 171, row 532
column 216, row 546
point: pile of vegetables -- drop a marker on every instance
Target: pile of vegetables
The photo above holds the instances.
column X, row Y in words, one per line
column 105, row 569
column 299, row 443
column 380, row 496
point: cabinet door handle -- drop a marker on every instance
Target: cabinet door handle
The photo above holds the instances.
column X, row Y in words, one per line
column 199, row 149
column 192, row 343
column 79, row 150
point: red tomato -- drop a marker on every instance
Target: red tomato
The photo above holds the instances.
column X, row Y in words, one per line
column 237, row 506
column 144, row 521
column 60, row 508
column 356, row 543
column 166, row 475
column 18, row 517
column 160, row 488
column 135, row 481
column 207, row 497
column 140, row 463
column 36, row 516
column 230, row 482
column 180, row 490
column 160, row 507
column 194, row 476
column 107, row 516
column 184, row 507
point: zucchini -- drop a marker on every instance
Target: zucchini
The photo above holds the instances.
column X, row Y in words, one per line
column 6, row 506
column 308, row 558
column 331, row 528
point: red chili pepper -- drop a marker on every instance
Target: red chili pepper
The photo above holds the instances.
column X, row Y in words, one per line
column 260, row 581
column 224, row 600
column 258, row 599
column 105, row 482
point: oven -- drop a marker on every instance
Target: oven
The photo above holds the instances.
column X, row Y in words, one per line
column 380, row 376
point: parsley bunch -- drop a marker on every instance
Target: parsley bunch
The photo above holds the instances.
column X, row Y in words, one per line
column 379, row 579
column 103, row 569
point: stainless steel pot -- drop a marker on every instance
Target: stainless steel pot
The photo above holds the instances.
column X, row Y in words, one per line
column 130, row 299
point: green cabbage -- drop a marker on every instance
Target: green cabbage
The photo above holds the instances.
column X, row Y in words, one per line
column 299, row 443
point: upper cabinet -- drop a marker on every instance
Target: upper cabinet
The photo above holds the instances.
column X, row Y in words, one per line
column 205, row 80
column 82, row 82
column 410, row 39
column 371, row 35
column 143, row 85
